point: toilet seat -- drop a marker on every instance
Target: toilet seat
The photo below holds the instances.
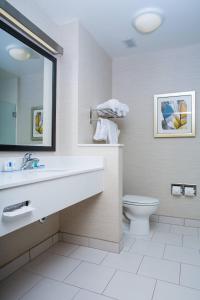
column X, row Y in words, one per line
column 140, row 200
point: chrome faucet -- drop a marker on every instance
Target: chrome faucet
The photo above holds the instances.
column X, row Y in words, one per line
column 29, row 162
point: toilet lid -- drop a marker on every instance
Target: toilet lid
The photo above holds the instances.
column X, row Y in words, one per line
column 140, row 200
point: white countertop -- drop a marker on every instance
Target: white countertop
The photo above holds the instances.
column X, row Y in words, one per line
column 18, row 178
column 55, row 167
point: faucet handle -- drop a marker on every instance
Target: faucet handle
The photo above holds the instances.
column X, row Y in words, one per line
column 27, row 156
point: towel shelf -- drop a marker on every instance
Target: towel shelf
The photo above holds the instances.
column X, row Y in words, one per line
column 103, row 113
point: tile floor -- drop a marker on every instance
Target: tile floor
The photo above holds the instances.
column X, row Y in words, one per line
column 165, row 265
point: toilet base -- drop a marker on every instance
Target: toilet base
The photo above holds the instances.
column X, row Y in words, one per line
column 140, row 226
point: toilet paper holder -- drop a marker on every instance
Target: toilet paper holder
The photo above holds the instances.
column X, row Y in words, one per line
column 183, row 186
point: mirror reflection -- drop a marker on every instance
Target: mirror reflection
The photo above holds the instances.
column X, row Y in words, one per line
column 25, row 93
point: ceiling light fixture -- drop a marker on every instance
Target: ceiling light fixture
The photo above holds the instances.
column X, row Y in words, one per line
column 18, row 53
column 148, row 20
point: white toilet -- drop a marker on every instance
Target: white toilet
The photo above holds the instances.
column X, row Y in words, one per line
column 138, row 209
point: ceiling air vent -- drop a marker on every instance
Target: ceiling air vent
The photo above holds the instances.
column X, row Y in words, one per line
column 130, row 43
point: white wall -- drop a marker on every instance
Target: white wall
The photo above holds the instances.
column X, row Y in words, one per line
column 9, row 90
column 95, row 82
column 151, row 165
column 30, row 95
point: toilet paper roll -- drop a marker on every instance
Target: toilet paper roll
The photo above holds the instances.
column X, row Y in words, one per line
column 176, row 190
column 189, row 192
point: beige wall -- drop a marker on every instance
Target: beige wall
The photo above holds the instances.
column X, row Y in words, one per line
column 86, row 78
column 95, row 82
column 19, row 241
column 100, row 216
column 151, row 165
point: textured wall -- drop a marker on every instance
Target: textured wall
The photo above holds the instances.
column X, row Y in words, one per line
column 95, row 82
column 19, row 241
column 151, row 165
column 100, row 216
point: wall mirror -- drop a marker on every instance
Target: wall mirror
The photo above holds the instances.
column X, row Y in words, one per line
column 27, row 93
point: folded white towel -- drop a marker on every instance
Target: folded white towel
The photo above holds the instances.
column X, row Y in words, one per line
column 119, row 108
column 107, row 131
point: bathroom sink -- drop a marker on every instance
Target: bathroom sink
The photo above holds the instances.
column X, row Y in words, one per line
column 47, row 170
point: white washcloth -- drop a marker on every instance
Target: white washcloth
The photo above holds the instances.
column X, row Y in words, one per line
column 119, row 108
column 107, row 131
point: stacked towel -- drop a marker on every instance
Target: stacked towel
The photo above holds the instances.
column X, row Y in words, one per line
column 117, row 107
column 107, row 131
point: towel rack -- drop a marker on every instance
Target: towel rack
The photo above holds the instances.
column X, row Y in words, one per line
column 104, row 113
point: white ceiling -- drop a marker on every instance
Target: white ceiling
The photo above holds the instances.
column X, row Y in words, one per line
column 109, row 21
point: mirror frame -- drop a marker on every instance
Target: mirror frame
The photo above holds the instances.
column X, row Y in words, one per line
column 41, row 51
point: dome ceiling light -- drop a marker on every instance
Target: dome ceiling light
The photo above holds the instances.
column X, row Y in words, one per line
column 148, row 20
column 18, row 53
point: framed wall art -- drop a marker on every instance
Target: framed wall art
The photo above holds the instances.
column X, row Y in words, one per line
column 37, row 123
column 174, row 115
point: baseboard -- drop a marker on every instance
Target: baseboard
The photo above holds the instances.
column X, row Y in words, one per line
column 26, row 257
column 92, row 243
column 175, row 221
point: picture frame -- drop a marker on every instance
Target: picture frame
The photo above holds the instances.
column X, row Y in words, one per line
column 37, row 123
column 174, row 115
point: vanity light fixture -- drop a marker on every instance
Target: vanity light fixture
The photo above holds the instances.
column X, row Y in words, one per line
column 12, row 20
column 148, row 20
column 19, row 53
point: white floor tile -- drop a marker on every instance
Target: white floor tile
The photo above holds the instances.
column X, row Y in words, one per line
column 53, row 266
column 168, row 238
column 86, row 295
column 50, row 290
column 168, row 291
column 184, row 230
column 91, row 277
column 160, row 227
column 89, row 254
column 17, row 285
column 62, row 248
column 184, row 255
column 123, row 261
column 126, row 286
column 191, row 242
column 148, row 248
column 190, row 276
column 160, row 269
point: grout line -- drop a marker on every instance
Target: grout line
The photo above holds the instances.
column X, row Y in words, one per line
column 31, row 288
column 188, row 287
column 165, row 246
column 76, row 294
column 109, row 281
column 140, row 264
column 93, row 292
column 180, row 274
column 154, row 290
column 73, row 270
column 103, row 259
